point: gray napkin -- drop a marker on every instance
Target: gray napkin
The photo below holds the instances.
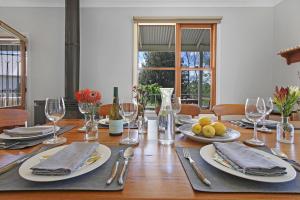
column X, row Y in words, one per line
column 245, row 160
column 28, row 131
column 66, row 160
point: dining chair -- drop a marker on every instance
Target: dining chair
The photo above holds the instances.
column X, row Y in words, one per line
column 228, row 109
column 104, row 110
column 190, row 109
column 12, row 117
column 186, row 109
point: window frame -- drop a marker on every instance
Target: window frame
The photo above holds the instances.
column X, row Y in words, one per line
column 178, row 68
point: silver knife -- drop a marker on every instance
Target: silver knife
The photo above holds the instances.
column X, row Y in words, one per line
column 115, row 168
column 15, row 163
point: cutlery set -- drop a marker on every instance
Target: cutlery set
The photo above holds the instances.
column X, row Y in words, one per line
column 128, row 153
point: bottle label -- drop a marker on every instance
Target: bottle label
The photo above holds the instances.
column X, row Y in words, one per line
column 115, row 126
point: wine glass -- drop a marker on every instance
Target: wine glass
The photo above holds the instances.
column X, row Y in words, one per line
column 83, row 109
column 253, row 111
column 176, row 105
column 269, row 108
column 129, row 113
column 54, row 111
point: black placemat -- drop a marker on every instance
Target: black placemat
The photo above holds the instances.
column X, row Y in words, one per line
column 29, row 143
column 224, row 182
column 93, row 181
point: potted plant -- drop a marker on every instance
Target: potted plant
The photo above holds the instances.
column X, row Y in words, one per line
column 146, row 94
column 285, row 99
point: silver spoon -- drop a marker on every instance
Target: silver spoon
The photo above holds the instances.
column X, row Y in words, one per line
column 127, row 155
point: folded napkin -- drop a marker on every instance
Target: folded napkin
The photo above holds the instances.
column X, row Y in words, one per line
column 245, row 160
column 67, row 160
column 28, row 131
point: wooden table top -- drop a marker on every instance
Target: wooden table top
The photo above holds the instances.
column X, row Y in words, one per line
column 154, row 173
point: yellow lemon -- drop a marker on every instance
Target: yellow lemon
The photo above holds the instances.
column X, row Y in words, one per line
column 203, row 121
column 220, row 128
column 208, row 131
column 196, row 128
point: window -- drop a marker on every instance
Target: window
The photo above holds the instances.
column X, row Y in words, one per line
column 178, row 55
column 12, row 67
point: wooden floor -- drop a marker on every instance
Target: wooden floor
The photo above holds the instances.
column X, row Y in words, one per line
column 154, row 173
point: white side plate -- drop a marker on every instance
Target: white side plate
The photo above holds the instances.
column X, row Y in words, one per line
column 207, row 152
column 26, row 173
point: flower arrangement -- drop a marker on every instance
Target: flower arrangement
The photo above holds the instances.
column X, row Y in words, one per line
column 89, row 97
column 286, row 98
column 145, row 94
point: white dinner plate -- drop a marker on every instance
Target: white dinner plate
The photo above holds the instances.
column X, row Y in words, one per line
column 26, row 173
column 229, row 136
column 7, row 137
column 105, row 122
column 207, row 153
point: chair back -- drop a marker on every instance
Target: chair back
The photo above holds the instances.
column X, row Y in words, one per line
column 12, row 117
column 228, row 109
column 104, row 110
column 190, row 109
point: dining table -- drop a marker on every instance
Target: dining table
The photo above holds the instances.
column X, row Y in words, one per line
column 155, row 171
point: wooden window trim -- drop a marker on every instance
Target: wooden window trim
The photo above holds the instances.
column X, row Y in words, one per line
column 178, row 68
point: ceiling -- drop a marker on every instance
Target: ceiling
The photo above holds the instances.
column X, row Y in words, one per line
column 143, row 3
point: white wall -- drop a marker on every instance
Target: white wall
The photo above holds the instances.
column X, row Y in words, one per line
column 245, row 40
column 45, row 30
column 286, row 35
column 246, row 49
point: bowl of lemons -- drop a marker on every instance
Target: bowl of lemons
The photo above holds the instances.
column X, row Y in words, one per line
column 207, row 131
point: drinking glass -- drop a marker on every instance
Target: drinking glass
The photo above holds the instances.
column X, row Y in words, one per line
column 84, row 109
column 54, row 111
column 253, row 111
column 129, row 113
column 268, row 110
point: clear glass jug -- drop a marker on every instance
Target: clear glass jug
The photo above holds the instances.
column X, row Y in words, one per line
column 166, row 121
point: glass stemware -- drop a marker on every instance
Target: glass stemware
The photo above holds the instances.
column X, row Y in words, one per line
column 254, row 110
column 54, row 111
column 176, row 105
column 129, row 113
column 269, row 108
column 84, row 109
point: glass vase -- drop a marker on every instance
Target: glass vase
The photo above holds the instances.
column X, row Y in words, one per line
column 166, row 122
column 91, row 132
column 285, row 131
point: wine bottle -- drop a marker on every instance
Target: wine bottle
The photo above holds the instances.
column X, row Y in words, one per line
column 115, row 119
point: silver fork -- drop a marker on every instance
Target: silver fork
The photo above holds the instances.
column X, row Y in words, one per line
column 7, row 145
column 187, row 155
column 283, row 156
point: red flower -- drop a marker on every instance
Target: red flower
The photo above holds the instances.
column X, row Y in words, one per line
column 88, row 96
column 281, row 94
